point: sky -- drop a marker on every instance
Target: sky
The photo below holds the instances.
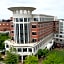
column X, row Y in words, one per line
column 49, row 7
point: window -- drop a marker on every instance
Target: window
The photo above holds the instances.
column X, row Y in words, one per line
column 33, row 40
column 29, row 19
column 19, row 50
column 61, row 23
column 60, row 32
column 56, row 35
column 35, row 19
column 11, row 25
column 56, row 39
column 60, row 39
column 7, row 46
column 25, row 19
column 33, row 26
column 12, row 31
column 30, row 49
column 21, row 19
column 33, row 33
column 16, row 19
column 60, row 35
column 34, row 49
column 24, row 49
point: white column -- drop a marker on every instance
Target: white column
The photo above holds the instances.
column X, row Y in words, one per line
column 27, row 49
column 23, row 32
column 22, row 11
column 32, row 50
column 15, row 36
column 22, row 59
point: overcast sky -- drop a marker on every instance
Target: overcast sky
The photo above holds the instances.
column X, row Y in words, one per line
column 49, row 7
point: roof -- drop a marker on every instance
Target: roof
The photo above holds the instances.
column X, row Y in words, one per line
column 11, row 42
column 21, row 8
column 43, row 15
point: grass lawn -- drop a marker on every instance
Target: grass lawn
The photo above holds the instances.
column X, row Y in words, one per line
column 55, row 56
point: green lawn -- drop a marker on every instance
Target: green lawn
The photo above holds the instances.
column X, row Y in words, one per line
column 54, row 57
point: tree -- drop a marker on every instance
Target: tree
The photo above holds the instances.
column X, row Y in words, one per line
column 40, row 53
column 3, row 37
column 0, row 56
column 11, row 58
column 31, row 60
column 45, row 51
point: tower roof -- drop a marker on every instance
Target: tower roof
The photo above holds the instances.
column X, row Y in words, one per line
column 21, row 8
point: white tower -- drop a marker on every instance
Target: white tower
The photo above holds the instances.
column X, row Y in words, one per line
column 21, row 19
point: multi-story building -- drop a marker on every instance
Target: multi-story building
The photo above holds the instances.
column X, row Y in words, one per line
column 59, row 36
column 6, row 26
column 30, row 32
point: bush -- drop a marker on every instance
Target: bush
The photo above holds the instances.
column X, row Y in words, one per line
column 31, row 60
column 40, row 53
column 45, row 51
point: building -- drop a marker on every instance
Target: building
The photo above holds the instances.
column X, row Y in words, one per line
column 30, row 32
column 59, row 36
column 6, row 26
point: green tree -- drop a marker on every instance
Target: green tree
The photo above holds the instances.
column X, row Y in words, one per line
column 31, row 60
column 45, row 51
column 3, row 37
column 0, row 56
column 40, row 53
column 11, row 58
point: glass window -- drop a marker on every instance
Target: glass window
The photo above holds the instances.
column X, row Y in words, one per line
column 21, row 33
column 12, row 26
column 60, row 39
column 29, row 19
column 56, row 35
column 25, row 26
column 17, row 20
column 12, row 31
column 25, row 19
column 19, row 49
column 33, row 40
column 60, row 32
column 60, row 35
column 61, row 23
column 30, row 49
column 34, row 49
column 7, row 46
column 21, row 19
column 35, row 19
column 33, row 33
column 17, row 32
column 24, row 49
column 33, row 26
column 56, row 39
